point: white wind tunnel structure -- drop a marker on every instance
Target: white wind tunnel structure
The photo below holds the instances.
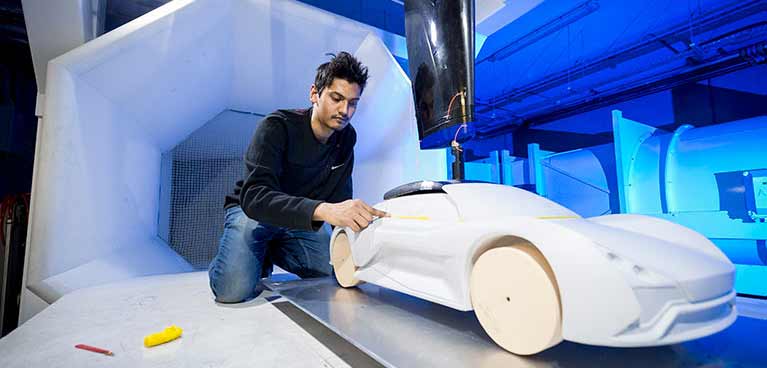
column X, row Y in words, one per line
column 185, row 74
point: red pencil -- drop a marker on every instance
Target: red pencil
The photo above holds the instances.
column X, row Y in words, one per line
column 94, row 349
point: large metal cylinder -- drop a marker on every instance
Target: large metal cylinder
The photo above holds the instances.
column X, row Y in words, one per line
column 698, row 169
column 712, row 179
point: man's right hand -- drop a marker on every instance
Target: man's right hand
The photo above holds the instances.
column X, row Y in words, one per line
column 352, row 213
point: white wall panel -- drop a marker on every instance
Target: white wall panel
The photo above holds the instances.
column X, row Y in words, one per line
column 115, row 104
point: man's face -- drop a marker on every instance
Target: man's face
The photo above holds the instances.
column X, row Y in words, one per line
column 337, row 103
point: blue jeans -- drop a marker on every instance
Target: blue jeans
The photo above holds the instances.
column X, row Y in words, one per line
column 248, row 249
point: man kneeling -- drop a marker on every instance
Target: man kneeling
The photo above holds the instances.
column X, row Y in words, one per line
column 298, row 177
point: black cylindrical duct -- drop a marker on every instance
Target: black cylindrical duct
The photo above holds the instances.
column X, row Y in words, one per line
column 440, row 48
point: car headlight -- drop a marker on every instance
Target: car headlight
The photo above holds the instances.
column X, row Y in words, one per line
column 637, row 275
column 652, row 290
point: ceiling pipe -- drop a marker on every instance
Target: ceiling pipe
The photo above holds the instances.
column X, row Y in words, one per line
column 711, row 20
column 569, row 17
column 738, row 60
column 710, row 51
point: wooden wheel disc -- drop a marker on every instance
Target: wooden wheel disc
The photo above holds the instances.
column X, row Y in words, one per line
column 343, row 265
column 516, row 300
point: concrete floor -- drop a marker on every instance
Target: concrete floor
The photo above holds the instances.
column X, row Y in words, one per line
column 118, row 316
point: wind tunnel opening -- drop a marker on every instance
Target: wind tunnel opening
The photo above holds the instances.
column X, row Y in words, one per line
column 196, row 175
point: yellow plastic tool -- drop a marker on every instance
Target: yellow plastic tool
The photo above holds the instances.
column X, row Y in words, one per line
column 169, row 334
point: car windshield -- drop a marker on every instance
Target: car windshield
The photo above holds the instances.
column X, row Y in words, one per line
column 485, row 201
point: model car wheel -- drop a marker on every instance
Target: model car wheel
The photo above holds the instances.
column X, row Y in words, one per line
column 341, row 259
column 516, row 299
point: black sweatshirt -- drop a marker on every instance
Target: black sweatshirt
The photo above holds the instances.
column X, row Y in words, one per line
column 289, row 172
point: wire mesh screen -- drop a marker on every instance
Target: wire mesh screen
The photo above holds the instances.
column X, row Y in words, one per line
column 196, row 176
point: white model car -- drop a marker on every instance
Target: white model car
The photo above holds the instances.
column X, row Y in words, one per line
column 536, row 273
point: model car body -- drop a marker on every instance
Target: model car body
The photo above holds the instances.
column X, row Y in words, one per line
column 535, row 272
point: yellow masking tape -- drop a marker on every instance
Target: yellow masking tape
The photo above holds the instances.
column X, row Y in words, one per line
column 427, row 218
column 422, row 218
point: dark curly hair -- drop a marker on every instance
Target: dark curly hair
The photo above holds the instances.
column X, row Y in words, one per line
column 344, row 66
